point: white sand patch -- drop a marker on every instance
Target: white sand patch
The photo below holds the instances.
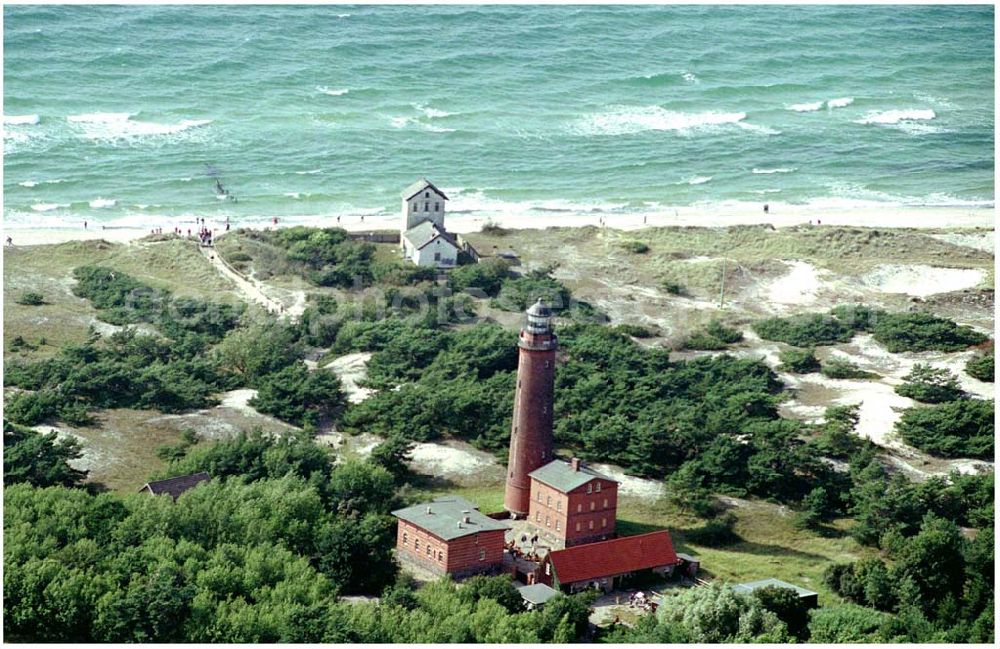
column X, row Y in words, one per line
column 89, row 459
column 799, row 287
column 351, row 369
column 360, row 444
column 450, row 458
column 239, row 400
column 756, row 347
column 978, row 240
column 295, row 311
column 880, row 406
column 631, row 485
column 921, row 280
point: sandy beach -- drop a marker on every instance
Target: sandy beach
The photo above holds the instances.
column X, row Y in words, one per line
column 692, row 216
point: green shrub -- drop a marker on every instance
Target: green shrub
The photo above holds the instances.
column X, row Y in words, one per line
column 930, row 385
column 703, row 341
column 806, row 330
column 981, row 367
column 716, row 532
column 726, row 334
column 674, row 288
column 637, row 247
column 486, row 276
column 518, row 293
column 962, row 428
column 38, row 459
column 921, row 331
column 300, row 397
column 120, row 298
column 845, row 623
column 857, row 316
column 636, row 331
column 238, row 257
column 799, row 361
column 18, row 343
column 31, row 299
column 839, row 368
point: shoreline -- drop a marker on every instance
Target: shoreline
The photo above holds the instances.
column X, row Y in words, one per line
column 781, row 216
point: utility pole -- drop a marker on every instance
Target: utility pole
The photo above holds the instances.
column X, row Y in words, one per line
column 722, row 284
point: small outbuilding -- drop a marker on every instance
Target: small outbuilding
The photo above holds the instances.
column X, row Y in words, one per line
column 600, row 565
column 810, row 598
column 536, row 595
column 174, row 487
column 451, row 536
column 427, row 244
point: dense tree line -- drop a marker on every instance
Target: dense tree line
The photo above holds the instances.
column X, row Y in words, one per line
column 913, row 331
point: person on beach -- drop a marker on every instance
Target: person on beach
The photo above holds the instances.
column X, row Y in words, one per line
column 765, row 208
column 84, row 225
column 10, row 242
column 274, row 220
column 227, row 226
column 362, row 218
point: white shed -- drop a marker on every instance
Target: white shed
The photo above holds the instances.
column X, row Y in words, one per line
column 429, row 245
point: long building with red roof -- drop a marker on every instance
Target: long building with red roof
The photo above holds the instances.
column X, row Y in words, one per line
column 598, row 565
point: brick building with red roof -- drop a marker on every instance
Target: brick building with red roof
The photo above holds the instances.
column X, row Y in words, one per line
column 598, row 565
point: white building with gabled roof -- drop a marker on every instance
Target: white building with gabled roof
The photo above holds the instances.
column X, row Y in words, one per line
column 423, row 238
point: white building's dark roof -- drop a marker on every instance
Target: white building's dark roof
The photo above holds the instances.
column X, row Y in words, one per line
column 418, row 187
column 424, row 232
column 537, row 593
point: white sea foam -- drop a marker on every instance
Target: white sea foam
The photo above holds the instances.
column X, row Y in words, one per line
column 98, row 203
column 20, row 120
column 758, row 128
column 438, row 129
column 778, row 170
column 295, row 195
column 808, row 107
column 121, row 126
column 896, row 116
column 326, row 90
column 766, row 191
column 840, row 102
column 28, row 183
column 431, row 113
column 626, row 120
column 400, row 122
column 690, row 77
column 309, row 172
column 698, row 180
column 48, row 207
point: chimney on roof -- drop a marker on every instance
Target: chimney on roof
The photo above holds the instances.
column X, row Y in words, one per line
column 575, row 463
column 459, row 524
column 466, row 519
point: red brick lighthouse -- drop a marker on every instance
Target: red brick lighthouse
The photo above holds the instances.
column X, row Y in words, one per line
column 531, row 430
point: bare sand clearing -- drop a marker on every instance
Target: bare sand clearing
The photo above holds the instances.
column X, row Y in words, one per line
column 351, row 369
column 978, row 240
column 921, row 280
column 798, row 288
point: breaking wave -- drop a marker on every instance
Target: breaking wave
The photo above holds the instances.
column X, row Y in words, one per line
column 121, row 126
column 778, row 170
column 896, row 116
column 626, row 120
column 334, row 92
column 23, row 120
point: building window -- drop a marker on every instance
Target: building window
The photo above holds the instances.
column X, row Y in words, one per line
column 437, row 207
column 538, row 516
column 404, row 538
column 546, row 364
column 416, row 207
column 548, row 501
column 604, row 522
column 557, row 524
column 427, row 207
column 598, row 487
column 539, row 494
column 579, row 507
column 548, row 569
column 437, row 256
column 430, row 550
column 605, row 503
column 592, row 505
column 482, row 554
column 547, row 522
column 440, row 556
column 590, row 488
column 427, row 194
column 416, row 544
column 577, row 527
column 591, row 525
column 545, row 408
column 558, row 505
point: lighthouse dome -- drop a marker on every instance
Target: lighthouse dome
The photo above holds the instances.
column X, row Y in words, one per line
column 539, row 318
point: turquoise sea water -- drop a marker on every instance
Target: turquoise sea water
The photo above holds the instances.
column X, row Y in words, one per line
column 123, row 115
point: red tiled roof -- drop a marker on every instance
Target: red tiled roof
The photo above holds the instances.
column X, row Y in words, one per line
column 614, row 557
